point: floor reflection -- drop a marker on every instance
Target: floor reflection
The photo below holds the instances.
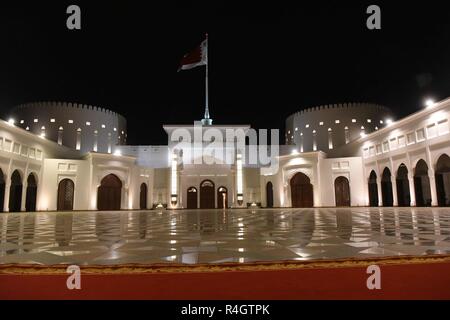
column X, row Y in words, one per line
column 217, row 236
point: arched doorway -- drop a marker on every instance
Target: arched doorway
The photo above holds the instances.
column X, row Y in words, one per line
column 402, row 182
column 143, row 196
column 422, row 184
column 269, row 194
column 386, row 188
column 342, row 192
column 301, row 191
column 2, row 190
column 66, row 189
column 192, row 198
column 207, row 198
column 443, row 180
column 30, row 200
column 15, row 192
column 373, row 190
column 222, row 198
column 109, row 193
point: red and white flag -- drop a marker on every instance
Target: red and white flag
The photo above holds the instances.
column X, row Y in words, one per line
column 195, row 58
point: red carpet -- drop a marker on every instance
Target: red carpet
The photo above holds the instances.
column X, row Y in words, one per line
column 399, row 280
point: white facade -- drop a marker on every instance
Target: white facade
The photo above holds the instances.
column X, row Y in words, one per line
column 403, row 163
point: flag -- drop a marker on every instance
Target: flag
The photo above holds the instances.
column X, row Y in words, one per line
column 195, row 58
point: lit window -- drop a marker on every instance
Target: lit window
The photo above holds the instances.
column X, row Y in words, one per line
column 70, row 121
column 35, row 120
column 353, row 120
column 103, row 126
column 320, row 123
column 52, row 120
column 337, row 121
column 88, row 123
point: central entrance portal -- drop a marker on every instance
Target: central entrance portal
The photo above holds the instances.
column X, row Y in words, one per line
column 301, row 191
column 207, row 197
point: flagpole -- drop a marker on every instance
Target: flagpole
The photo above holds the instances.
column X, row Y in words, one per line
column 206, row 83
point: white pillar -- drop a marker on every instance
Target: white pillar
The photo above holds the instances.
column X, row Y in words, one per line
column 394, row 191
column 412, row 191
column 380, row 194
column 433, row 190
column 24, row 197
column 7, row 192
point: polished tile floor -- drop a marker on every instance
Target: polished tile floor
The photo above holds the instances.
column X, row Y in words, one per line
column 217, row 236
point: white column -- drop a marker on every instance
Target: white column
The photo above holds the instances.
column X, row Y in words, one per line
column 24, row 197
column 412, row 191
column 7, row 192
column 433, row 190
column 380, row 194
column 394, row 191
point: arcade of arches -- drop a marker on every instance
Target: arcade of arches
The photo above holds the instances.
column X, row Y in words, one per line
column 412, row 184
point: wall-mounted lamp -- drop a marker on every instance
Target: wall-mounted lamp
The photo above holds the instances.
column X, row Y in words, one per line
column 240, row 199
column 173, row 199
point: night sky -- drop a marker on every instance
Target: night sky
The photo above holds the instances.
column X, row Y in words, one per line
column 266, row 60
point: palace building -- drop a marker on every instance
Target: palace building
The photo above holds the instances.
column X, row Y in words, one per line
column 64, row 156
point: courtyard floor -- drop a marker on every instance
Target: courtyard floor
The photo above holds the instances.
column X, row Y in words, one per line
column 220, row 236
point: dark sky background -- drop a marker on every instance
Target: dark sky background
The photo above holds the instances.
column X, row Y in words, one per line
column 267, row 60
